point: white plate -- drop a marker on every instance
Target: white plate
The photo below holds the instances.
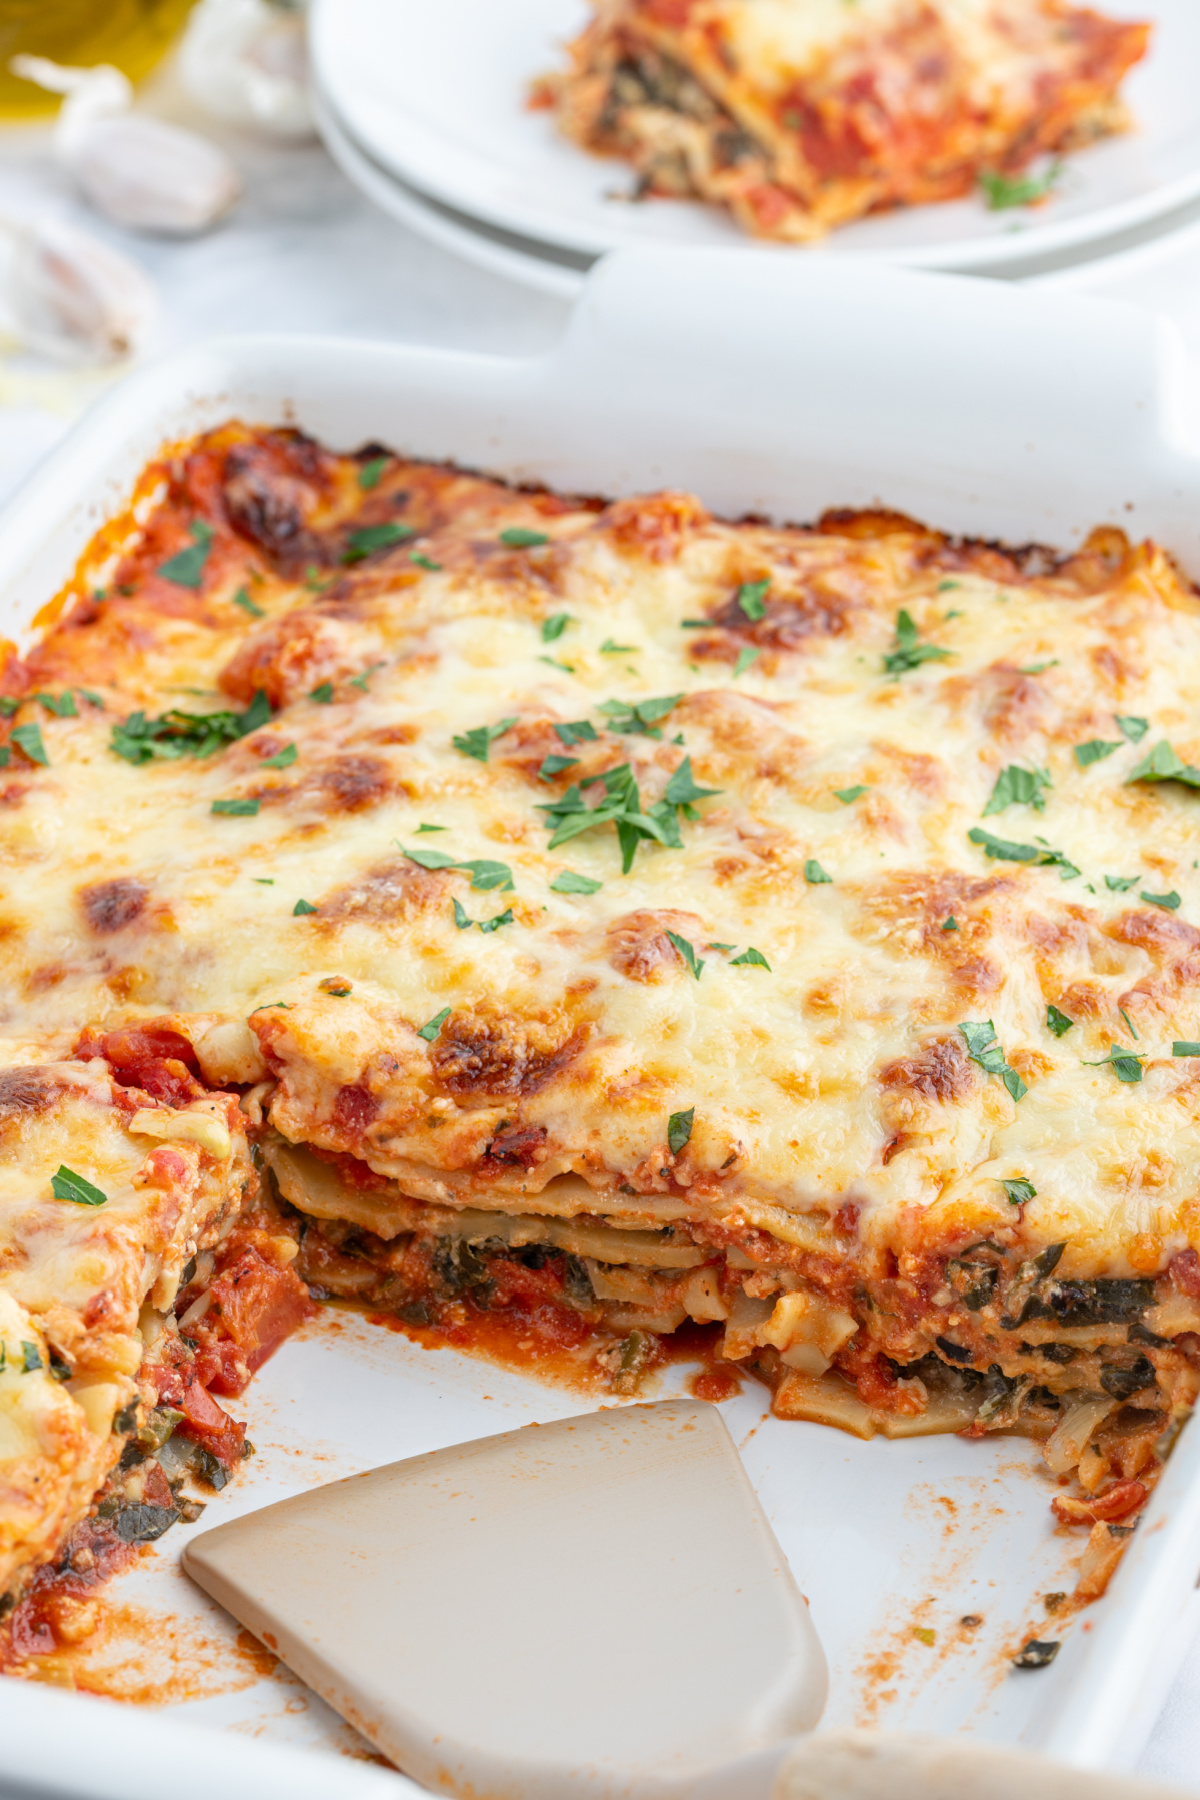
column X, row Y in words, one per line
column 982, row 407
column 436, row 94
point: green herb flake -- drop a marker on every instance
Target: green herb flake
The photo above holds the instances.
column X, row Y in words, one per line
column 236, row 809
column 1169, row 902
column 1120, row 884
column 749, row 959
column 909, row 654
column 92, row 699
column 577, row 731
column 242, row 599
column 282, row 759
column 944, row 587
column 301, row 908
column 687, row 952
column 1126, row 1064
column 60, row 706
column 29, row 739
column 1162, row 764
column 1058, row 1022
column 322, row 694
column 186, row 568
column 694, row 624
column 1038, row 668
column 484, row 872
column 1132, row 727
column 369, row 538
column 67, row 1185
column 752, row 598
column 950, row 924
column 1002, row 850
column 1018, row 787
column 31, row 1358
column 608, row 648
column 849, row 795
column 517, row 537
column 8, row 705
column 567, row 668
column 174, row 734
column 554, row 626
column 745, row 657
column 814, row 874
column 568, row 882
column 370, row 472
column 1003, row 192
column 1129, row 1026
column 429, row 859
column 431, row 1027
column 5, row 756
column 360, row 681
column 679, row 1129
column 1182, row 1047
column 478, row 742
column 1094, row 751
column 424, row 562
column 1019, row 1190
column 421, row 828
column 554, row 765
column 637, row 718
column 485, row 925
column 983, row 1048
column 264, row 880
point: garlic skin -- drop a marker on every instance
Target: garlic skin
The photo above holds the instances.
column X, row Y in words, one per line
column 142, row 173
column 247, row 61
column 67, row 296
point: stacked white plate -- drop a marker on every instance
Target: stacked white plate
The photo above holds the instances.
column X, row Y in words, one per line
column 426, row 109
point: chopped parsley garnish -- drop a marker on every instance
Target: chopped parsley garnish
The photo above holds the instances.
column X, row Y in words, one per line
column 749, row 959
column 91, row 698
column 950, row 924
column 1002, row 850
column 323, row 693
column 483, row 871
column 1185, row 1047
column 1162, row 764
column 369, row 538
column 478, row 742
column 1120, row 884
column 360, row 681
column 745, row 657
column 31, row 1358
column 577, row 731
column 431, row 1027
column 679, row 1129
column 636, row 718
column 1018, row 787
column 688, row 953
column 554, row 626
column 8, row 705
column 1002, row 192
column 554, row 765
column 1058, row 1022
column 1128, row 1023
column 264, row 880
column 694, row 624
column 62, row 706
column 1019, row 1190
column 186, row 567
column 301, row 908
column 517, row 537
column 1039, row 668
column 909, row 654
column 236, row 809
column 484, row 925
column 681, row 790
column 567, row 668
column 814, row 874
column 847, row 796
column 752, row 598
column 1095, row 750
column 175, row 734
column 67, row 1185
column 421, row 828
column 282, row 759
column 1126, row 1064
column 608, row 648
column 424, row 562
column 242, row 599
column 1169, row 902
column 1131, row 726
column 621, row 806
column 944, row 587
column 983, row 1047
column 29, row 739
column 370, row 472
column 568, row 882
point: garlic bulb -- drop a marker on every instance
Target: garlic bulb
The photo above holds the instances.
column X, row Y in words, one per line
column 246, row 61
column 140, row 172
column 68, row 296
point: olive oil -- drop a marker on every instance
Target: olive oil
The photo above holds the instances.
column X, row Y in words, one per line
column 132, row 34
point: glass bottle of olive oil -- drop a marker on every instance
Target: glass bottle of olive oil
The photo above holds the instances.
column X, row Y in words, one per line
column 133, row 34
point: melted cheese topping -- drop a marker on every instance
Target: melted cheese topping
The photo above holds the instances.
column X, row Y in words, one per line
column 547, row 1057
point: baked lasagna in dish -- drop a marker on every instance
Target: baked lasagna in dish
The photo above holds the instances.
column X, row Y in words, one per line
column 800, row 115
column 592, row 922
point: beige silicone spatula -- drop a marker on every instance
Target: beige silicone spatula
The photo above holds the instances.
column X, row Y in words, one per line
column 595, row 1604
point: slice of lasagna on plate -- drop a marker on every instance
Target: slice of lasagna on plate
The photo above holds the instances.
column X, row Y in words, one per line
column 800, row 115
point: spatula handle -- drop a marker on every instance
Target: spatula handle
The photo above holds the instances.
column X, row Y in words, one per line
column 869, row 1765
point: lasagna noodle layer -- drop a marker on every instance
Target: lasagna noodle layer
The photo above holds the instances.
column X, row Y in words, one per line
column 799, row 115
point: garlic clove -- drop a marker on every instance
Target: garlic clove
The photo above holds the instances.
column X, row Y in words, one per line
column 70, row 297
column 247, row 61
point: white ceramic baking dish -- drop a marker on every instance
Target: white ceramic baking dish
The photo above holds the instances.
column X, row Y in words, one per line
column 774, row 385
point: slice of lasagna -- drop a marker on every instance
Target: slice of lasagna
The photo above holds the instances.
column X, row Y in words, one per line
column 800, row 115
column 604, row 923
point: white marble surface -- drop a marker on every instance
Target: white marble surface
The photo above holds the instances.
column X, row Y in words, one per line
column 305, row 253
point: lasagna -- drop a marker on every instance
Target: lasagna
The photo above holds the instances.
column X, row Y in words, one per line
column 801, row 115
column 598, row 923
